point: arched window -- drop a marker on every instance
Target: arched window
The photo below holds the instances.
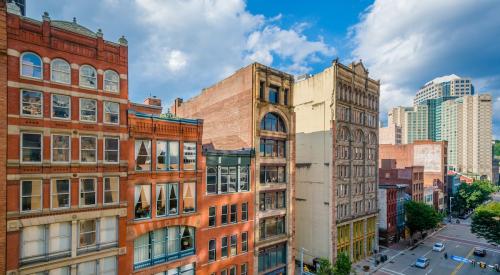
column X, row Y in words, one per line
column 372, row 138
column 88, row 77
column 272, row 122
column 359, row 136
column 60, row 71
column 111, row 81
column 31, row 65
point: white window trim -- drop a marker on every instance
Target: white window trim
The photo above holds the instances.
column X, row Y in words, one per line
column 195, row 155
column 104, row 113
column 80, row 110
column 80, row 152
column 80, row 192
column 51, row 69
column 52, row 147
column 52, row 107
column 21, row 104
column 21, row 197
column 21, row 148
column 97, row 226
column 104, row 150
column 21, row 66
column 80, row 75
column 104, row 82
column 51, row 194
column 104, row 191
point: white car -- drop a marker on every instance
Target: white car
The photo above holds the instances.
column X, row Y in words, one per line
column 422, row 262
column 438, row 247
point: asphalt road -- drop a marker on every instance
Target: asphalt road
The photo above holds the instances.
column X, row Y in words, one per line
column 458, row 241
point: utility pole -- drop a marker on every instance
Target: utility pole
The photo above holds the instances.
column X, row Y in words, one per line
column 302, row 260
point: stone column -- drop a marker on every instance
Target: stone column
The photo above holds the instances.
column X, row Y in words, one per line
column 74, row 239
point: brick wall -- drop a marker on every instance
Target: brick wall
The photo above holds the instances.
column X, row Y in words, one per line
column 3, row 135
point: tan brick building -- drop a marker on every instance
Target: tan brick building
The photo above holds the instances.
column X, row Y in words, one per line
column 252, row 108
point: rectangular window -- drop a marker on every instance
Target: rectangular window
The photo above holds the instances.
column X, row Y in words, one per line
column 262, row 88
column 272, row 148
column 212, row 180
column 244, row 179
column 61, row 106
column 234, row 213
column 88, row 149
column 211, row 216
column 187, row 238
column 142, row 201
column 233, row 177
column 143, row 155
column 244, row 241
column 189, row 196
column 31, row 195
column 224, row 247
column 244, row 269
column 272, row 227
column 111, row 112
column 232, row 270
column 111, row 149
column 167, row 155
column 234, row 240
column 60, row 193
column 59, row 238
column 32, row 241
column 88, row 192
column 88, row 110
column 108, row 230
column 224, row 179
column 285, row 96
column 32, row 103
column 107, row 266
column 61, row 145
column 31, row 147
column 166, row 199
column 212, row 250
column 244, row 211
column 88, row 233
column 224, row 215
column 173, row 198
column 111, row 190
column 223, row 272
column 272, row 174
column 273, row 95
column 189, row 155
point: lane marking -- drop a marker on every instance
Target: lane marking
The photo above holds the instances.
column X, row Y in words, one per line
column 392, row 271
column 462, row 263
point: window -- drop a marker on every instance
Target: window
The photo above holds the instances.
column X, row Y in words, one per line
column 285, row 96
column 61, row 106
column 272, row 122
column 88, row 149
column 212, row 180
column 244, row 241
column 211, row 216
column 111, row 149
column 142, row 201
column 167, row 155
column 232, row 270
column 60, row 193
column 272, row 148
column 88, row 192
column 60, row 71
column 244, row 211
column 143, row 155
column 166, row 199
column 223, row 272
column 224, row 215
column 52, row 240
column 111, row 112
column 31, row 195
column 262, row 88
column 111, row 190
column 244, row 269
column 61, row 145
column 234, row 240
column 234, row 213
column 88, row 233
column 107, row 266
column 31, row 65
column 272, row 174
column 272, row 227
column 272, row 200
column 224, row 247
column 273, row 95
column 189, row 196
column 271, row 257
column 212, row 250
column 32, row 241
column 59, row 239
column 31, row 147
column 108, row 230
column 88, row 77
column 88, row 110
column 31, row 103
column 187, row 238
column 189, row 156
column 244, row 182
column 111, row 81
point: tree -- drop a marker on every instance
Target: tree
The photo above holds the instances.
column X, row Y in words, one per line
column 472, row 195
column 486, row 222
column 343, row 265
column 325, row 267
column 420, row 217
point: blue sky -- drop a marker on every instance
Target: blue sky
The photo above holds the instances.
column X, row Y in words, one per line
column 177, row 47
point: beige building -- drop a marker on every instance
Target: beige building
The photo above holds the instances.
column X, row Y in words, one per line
column 391, row 134
column 396, row 116
column 336, row 175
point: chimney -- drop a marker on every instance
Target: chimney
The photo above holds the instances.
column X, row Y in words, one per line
column 177, row 103
column 153, row 101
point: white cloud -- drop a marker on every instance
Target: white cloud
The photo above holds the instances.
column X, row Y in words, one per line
column 407, row 43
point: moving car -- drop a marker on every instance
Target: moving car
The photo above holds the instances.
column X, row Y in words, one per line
column 422, row 262
column 438, row 247
column 478, row 251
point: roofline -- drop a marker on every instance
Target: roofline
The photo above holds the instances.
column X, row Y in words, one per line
column 170, row 119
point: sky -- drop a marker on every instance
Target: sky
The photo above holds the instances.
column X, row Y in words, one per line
column 178, row 47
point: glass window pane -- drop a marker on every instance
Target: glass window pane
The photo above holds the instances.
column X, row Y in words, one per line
column 31, row 65
column 173, row 198
column 87, row 192
column 60, row 71
column 88, row 152
column 111, row 81
column 88, row 77
column 61, row 106
column 88, row 110
column 111, row 149
column 189, row 196
column 161, row 199
column 111, row 189
column 61, row 148
column 142, row 201
column 32, row 103
column 31, row 195
column 189, row 156
column 60, row 190
column 143, row 155
column 111, row 112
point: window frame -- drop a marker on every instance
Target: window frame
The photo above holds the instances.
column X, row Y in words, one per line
column 61, row 72
column 52, row 107
column 52, row 147
column 80, row 110
column 21, row 63
column 104, row 102
column 233, row 245
column 96, row 233
column 244, row 242
column 184, row 155
column 22, row 147
column 214, row 250
column 233, row 215
column 80, row 200
column 105, row 80
column 167, row 156
column 225, row 247
column 150, row 201
column 150, row 153
column 21, row 114
column 193, row 196
column 167, row 186
column 52, row 194
column 104, row 190
column 80, row 75
column 106, row 149
column 224, row 215
column 21, row 196
column 212, row 217
column 244, row 210
column 95, row 150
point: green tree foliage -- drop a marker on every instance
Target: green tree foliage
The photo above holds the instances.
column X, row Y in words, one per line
column 486, row 222
column 325, row 267
column 420, row 217
column 343, row 265
column 472, row 195
column 496, row 150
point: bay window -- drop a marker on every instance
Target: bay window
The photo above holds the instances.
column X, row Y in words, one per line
column 167, row 155
column 31, row 147
column 60, row 193
column 88, row 110
column 143, row 155
column 229, row 181
column 111, row 190
column 61, row 106
column 111, row 112
column 189, row 155
column 31, row 195
column 111, row 149
column 88, row 191
column 142, row 201
column 88, row 149
column 61, row 146
column 189, row 196
column 31, row 103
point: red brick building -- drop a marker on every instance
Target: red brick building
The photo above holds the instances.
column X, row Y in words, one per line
column 67, row 96
column 412, row 177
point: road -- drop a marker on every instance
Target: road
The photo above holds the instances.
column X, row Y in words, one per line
column 458, row 241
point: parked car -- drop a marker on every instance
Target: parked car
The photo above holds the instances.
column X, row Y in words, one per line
column 478, row 251
column 422, row 262
column 438, row 247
